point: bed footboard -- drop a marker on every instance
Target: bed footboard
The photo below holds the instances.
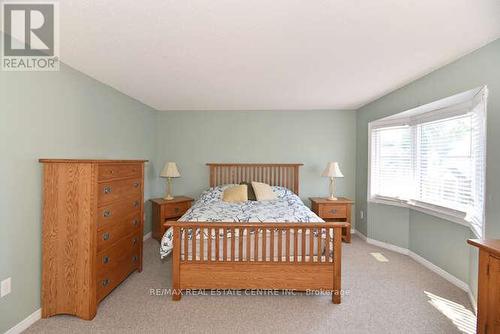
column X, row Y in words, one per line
column 288, row 256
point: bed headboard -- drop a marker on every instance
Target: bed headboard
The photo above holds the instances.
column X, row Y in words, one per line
column 285, row 175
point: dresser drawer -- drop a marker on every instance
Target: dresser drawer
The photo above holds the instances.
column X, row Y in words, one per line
column 120, row 266
column 111, row 171
column 111, row 259
column 176, row 210
column 115, row 190
column 333, row 211
column 110, row 235
column 119, row 212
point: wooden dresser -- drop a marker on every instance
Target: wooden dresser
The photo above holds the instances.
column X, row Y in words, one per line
column 92, row 231
column 488, row 299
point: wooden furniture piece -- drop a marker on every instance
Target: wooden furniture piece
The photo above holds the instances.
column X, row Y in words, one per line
column 290, row 260
column 338, row 210
column 488, row 303
column 168, row 210
column 92, row 231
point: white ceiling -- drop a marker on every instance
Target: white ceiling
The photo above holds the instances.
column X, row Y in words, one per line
column 268, row 54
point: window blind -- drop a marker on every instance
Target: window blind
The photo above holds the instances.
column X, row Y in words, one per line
column 476, row 211
column 392, row 161
column 444, row 163
column 435, row 159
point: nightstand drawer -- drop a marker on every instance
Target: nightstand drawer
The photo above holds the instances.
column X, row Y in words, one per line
column 176, row 210
column 333, row 211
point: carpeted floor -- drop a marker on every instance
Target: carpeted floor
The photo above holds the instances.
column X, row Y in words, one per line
column 399, row 296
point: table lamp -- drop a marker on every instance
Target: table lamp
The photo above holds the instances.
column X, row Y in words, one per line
column 332, row 171
column 169, row 171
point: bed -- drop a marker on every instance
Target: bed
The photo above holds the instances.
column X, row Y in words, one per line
column 278, row 244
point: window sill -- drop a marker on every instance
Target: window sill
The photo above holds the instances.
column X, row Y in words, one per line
column 439, row 212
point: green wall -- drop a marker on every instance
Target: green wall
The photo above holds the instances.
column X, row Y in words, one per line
column 193, row 138
column 439, row 241
column 62, row 114
column 67, row 114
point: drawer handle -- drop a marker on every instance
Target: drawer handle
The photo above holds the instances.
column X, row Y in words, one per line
column 111, row 171
column 134, row 241
column 134, row 258
column 107, row 214
column 105, row 282
column 176, row 210
column 333, row 210
column 105, row 236
column 135, row 222
column 136, row 184
column 105, row 259
column 107, row 189
column 136, row 204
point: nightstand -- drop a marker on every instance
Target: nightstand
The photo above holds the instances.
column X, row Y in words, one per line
column 168, row 210
column 334, row 211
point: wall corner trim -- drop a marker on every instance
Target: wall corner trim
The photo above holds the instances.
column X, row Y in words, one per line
column 361, row 235
column 147, row 236
column 426, row 263
column 26, row 323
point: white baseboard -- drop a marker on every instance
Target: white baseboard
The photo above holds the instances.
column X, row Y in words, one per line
column 27, row 322
column 361, row 235
column 446, row 275
column 385, row 245
column 426, row 263
column 472, row 300
column 147, row 236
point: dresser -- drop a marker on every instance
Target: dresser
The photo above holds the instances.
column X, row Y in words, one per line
column 488, row 300
column 164, row 210
column 338, row 210
column 93, row 219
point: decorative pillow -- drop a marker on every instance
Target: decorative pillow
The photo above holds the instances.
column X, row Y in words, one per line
column 235, row 194
column 263, row 191
column 251, row 193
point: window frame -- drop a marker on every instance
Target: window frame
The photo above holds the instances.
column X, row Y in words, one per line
column 441, row 109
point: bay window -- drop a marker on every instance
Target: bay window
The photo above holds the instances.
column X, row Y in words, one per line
column 433, row 158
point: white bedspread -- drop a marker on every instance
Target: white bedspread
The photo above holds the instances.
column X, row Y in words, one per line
column 288, row 207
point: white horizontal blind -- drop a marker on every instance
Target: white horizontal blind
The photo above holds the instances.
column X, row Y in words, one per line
column 476, row 211
column 444, row 168
column 435, row 159
column 391, row 162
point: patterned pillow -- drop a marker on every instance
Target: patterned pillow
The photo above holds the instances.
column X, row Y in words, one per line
column 282, row 191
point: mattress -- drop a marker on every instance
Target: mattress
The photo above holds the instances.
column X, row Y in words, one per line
column 287, row 207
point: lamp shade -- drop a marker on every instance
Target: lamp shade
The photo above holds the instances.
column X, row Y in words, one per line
column 332, row 170
column 170, row 170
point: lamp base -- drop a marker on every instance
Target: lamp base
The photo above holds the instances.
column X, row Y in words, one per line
column 168, row 198
column 331, row 198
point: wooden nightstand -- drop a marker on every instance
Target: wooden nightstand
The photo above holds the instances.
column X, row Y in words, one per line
column 334, row 211
column 168, row 210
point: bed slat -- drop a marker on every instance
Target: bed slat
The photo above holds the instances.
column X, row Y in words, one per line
column 190, row 267
column 285, row 175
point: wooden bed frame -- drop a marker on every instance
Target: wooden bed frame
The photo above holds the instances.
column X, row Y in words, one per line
column 277, row 269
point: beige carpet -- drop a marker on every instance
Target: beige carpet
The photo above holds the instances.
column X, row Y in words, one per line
column 384, row 297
